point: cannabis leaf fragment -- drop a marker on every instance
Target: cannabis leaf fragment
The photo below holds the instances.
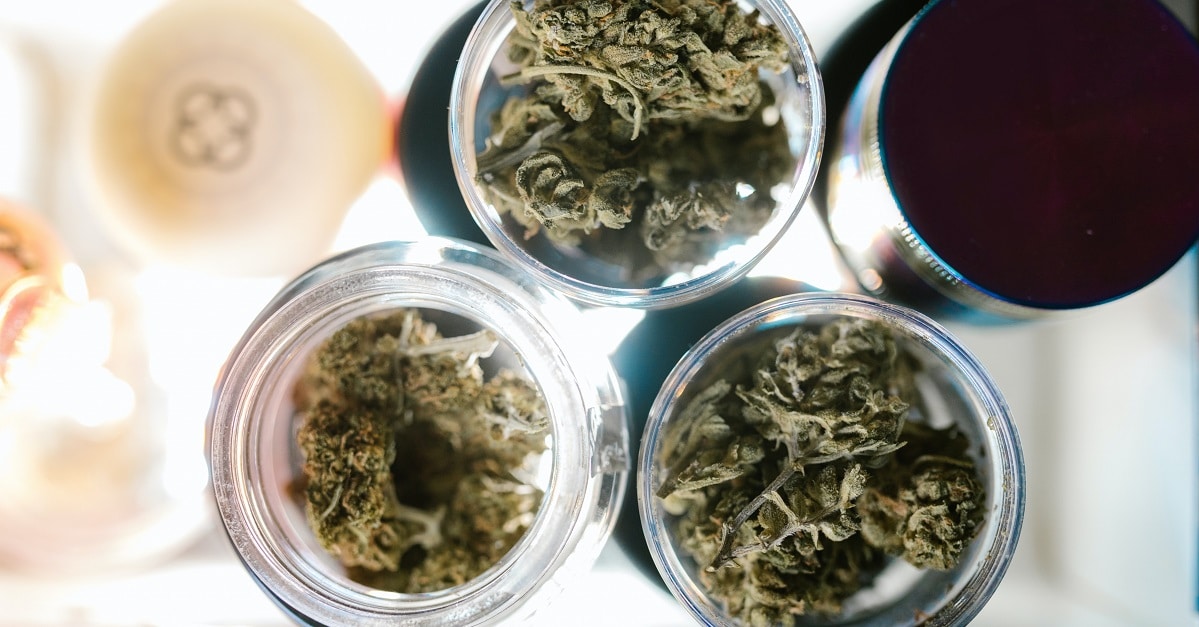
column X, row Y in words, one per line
column 706, row 451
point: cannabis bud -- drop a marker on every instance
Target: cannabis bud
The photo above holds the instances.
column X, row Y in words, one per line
column 792, row 484
column 645, row 130
column 414, row 462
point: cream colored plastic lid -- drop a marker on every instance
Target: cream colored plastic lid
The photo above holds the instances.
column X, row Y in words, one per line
column 232, row 136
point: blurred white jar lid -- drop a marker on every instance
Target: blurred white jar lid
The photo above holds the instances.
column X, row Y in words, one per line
column 232, row 136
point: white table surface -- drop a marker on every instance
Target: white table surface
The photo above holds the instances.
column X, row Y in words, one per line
column 1105, row 401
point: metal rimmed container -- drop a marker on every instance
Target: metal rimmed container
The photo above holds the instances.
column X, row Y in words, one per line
column 610, row 266
column 957, row 393
column 254, row 460
column 1015, row 186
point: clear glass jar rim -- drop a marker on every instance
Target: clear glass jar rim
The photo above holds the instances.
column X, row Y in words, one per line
column 586, row 409
column 481, row 47
column 1009, row 455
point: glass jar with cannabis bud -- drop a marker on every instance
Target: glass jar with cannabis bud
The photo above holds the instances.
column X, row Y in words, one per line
column 635, row 152
column 830, row 459
column 412, row 432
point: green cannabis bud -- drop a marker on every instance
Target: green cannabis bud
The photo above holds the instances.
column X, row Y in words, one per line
column 927, row 503
column 792, row 488
column 415, row 465
column 646, row 130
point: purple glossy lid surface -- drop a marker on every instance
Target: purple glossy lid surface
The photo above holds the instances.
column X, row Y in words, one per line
column 1047, row 151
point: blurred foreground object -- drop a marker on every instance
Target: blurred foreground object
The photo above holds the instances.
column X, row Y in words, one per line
column 79, row 469
column 232, row 137
column 38, row 289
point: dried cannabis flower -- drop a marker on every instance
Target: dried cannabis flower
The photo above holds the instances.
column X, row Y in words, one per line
column 927, row 502
column 791, row 488
column 414, row 469
column 647, row 117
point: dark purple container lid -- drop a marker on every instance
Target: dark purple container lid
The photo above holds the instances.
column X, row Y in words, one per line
column 1046, row 151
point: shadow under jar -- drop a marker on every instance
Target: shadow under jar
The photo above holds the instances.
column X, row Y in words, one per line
column 370, row 469
column 634, row 153
column 1008, row 160
column 830, row 459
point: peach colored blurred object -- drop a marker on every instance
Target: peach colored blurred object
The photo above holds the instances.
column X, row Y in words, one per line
column 32, row 280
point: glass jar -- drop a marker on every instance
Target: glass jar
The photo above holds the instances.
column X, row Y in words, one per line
column 954, row 392
column 600, row 231
column 1006, row 187
column 255, row 462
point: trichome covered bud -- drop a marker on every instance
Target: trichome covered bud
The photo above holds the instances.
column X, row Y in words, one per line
column 645, row 117
column 792, row 486
column 414, row 462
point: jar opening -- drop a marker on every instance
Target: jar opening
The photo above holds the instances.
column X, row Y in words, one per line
column 834, row 464
column 563, row 501
column 416, row 451
column 637, row 171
